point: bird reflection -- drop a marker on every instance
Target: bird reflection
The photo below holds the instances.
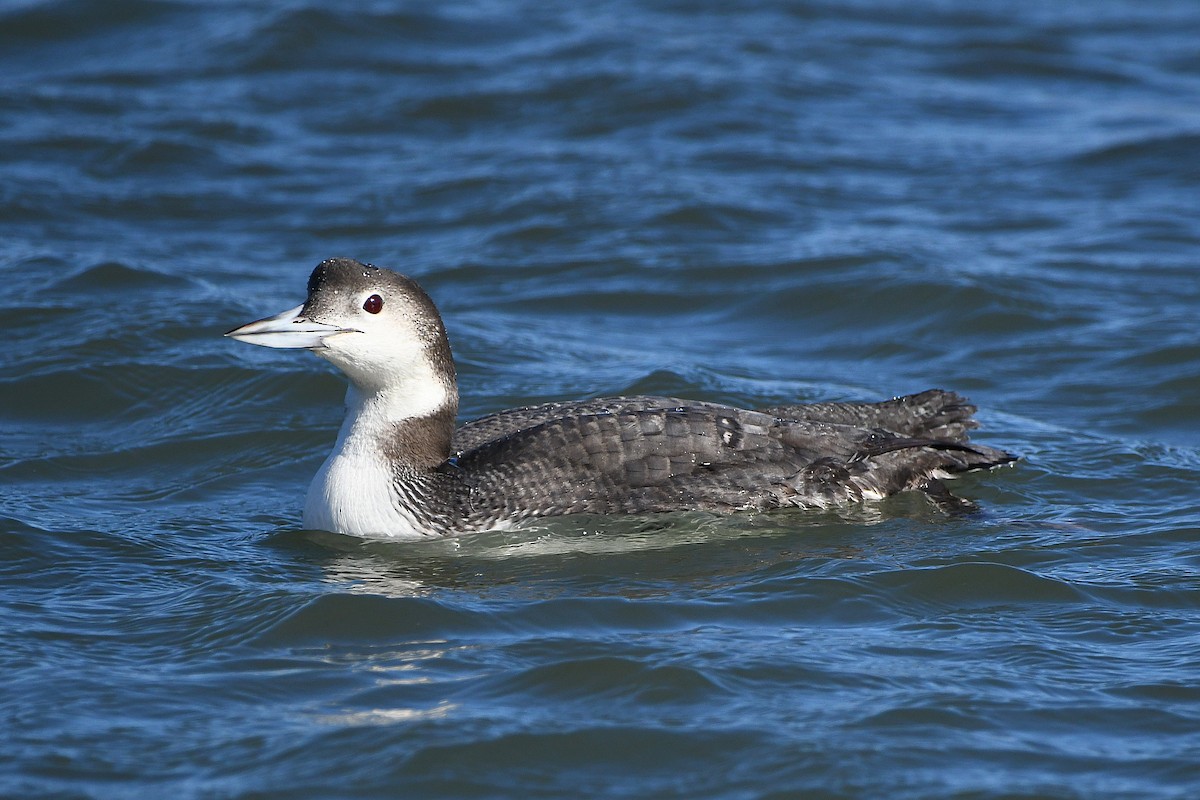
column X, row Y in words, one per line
column 583, row 556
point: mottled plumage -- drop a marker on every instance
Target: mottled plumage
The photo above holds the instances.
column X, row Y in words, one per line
column 420, row 477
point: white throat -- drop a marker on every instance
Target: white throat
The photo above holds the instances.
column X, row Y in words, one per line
column 354, row 491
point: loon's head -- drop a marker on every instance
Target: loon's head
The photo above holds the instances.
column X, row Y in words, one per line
column 377, row 326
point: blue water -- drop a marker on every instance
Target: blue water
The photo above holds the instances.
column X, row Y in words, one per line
column 755, row 203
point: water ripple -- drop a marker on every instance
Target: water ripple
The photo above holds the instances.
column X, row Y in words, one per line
column 758, row 204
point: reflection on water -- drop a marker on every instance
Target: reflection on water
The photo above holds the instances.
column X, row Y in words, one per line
column 755, row 203
column 385, row 716
column 699, row 550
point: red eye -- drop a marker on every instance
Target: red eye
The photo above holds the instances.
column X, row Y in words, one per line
column 373, row 304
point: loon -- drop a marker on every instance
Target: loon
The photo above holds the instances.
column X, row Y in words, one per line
column 400, row 469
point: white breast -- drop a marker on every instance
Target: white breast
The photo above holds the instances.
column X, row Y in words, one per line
column 354, row 490
column 354, row 495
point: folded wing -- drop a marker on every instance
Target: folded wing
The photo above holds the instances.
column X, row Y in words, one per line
column 641, row 454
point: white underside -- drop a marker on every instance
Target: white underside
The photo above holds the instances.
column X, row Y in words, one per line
column 354, row 491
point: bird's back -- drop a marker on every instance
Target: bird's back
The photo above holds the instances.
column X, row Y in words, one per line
column 648, row 454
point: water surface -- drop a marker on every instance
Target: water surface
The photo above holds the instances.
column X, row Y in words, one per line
column 771, row 203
